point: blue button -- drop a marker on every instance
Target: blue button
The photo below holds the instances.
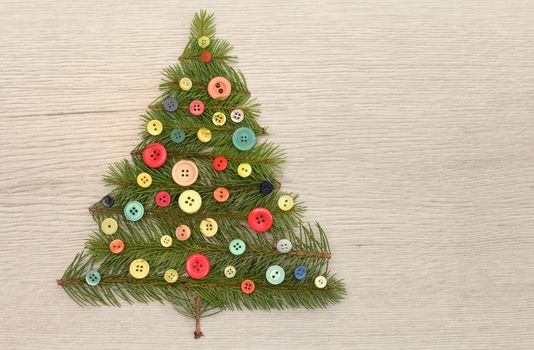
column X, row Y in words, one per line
column 108, row 201
column 170, row 104
column 92, row 278
column 266, row 187
column 300, row 273
column 244, row 139
column 275, row 274
column 177, row 135
column 134, row 211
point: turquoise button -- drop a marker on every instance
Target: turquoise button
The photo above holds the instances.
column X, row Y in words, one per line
column 244, row 139
column 237, row 247
column 275, row 274
column 92, row 278
column 134, row 211
column 177, row 135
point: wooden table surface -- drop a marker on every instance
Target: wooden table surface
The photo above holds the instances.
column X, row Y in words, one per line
column 409, row 131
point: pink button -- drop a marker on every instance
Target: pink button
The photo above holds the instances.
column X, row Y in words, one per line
column 260, row 219
column 219, row 87
column 163, row 199
column 196, row 107
column 155, row 155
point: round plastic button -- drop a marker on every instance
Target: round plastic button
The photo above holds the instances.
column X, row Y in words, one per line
column 108, row 201
column 197, row 266
column 237, row 115
column 266, row 187
column 116, row 246
column 204, row 135
column 229, row 271
column 139, row 268
column 109, row 226
column 185, row 84
column 196, row 107
column 284, row 246
column 203, row 42
column 285, row 202
column 144, row 180
column 244, row 170
column 177, row 136
column 260, row 219
column 134, row 211
column 237, row 247
column 218, row 119
column 320, row 281
column 154, row 155
column 248, row 286
column 163, row 199
column 93, row 278
column 206, row 57
column 220, row 163
column 300, row 273
column 166, row 241
column 244, row 139
column 221, row 194
column 171, row 276
column 208, row 227
column 189, row 201
column 185, row 173
column 275, row 274
column 219, row 87
column 170, row 104
column 154, row 127
column 183, row 232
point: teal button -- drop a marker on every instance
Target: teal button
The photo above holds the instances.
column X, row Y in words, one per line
column 275, row 274
column 134, row 211
column 177, row 135
column 237, row 247
column 92, row 278
column 244, row 139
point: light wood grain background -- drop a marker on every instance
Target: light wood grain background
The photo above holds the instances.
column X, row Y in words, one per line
column 409, row 132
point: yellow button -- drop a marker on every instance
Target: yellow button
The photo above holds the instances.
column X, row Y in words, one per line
column 218, row 119
column 144, row 180
column 208, row 227
column 285, row 202
column 171, row 275
column 203, row 41
column 244, row 170
column 189, row 201
column 139, row 268
column 166, row 241
column 185, row 84
column 154, row 127
column 109, row 226
column 204, row 135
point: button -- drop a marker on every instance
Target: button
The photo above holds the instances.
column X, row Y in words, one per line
column 154, row 127
column 170, row 104
column 171, row 275
column 134, row 211
column 244, row 139
column 284, row 246
column 183, row 232
column 208, row 227
column 139, row 268
column 108, row 201
column 177, row 135
column 197, row 266
column 163, row 199
column 204, row 135
column 229, row 271
column 144, row 180
column 219, row 87
column 244, row 170
column 185, row 173
column 266, row 187
column 154, row 155
column 275, row 274
column 189, row 201
column 185, row 84
column 93, row 278
column 320, row 281
column 260, row 219
column 206, row 57
column 218, row 119
column 109, row 226
column 203, row 42
column 248, row 286
column 116, row 246
column 166, row 241
column 300, row 273
column 196, row 107
column 285, row 202
column 220, row 163
column 237, row 115
column 237, row 247
column 221, row 194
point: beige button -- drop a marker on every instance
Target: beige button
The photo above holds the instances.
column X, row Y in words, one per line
column 218, row 118
column 244, row 170
column 285, row 202
column 204, row 135
column 208, row 227
column 203, row 42
column 166, row 241
column 183, row 232
column 154, row 127
column 109, row 226
column 139, row 268
column 185, row 84
column 185, row 173
column 144, row 180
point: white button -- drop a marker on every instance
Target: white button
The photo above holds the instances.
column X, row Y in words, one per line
column 237, row 115
column 284, row 246
column 320, row 281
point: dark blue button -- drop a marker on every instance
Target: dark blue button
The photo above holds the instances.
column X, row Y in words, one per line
column 108, row 201
column 300, row 273
column 266, row 187
column 170, row 104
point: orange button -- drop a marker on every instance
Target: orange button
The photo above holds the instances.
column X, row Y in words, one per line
column 183, row 232
column 221, row 194
column 247, row 286
column 219, row 87
column 116, row 246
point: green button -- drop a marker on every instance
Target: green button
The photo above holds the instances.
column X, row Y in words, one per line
column 275, row 274
column 134, row 211
column 177, row 135
column 92, row 278
column 237, row 247
column 244, row 139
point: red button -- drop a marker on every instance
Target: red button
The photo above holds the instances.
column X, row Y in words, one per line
column 196, row 107
column 260, row 219
column 221, row 194
column 163, row 199
column 116, row 246
column 206, row 57
column 197, row 266
column 248, row 286
column 154, row 155
column 220, row 163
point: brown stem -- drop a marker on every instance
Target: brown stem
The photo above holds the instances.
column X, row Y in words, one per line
column 198, row 333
